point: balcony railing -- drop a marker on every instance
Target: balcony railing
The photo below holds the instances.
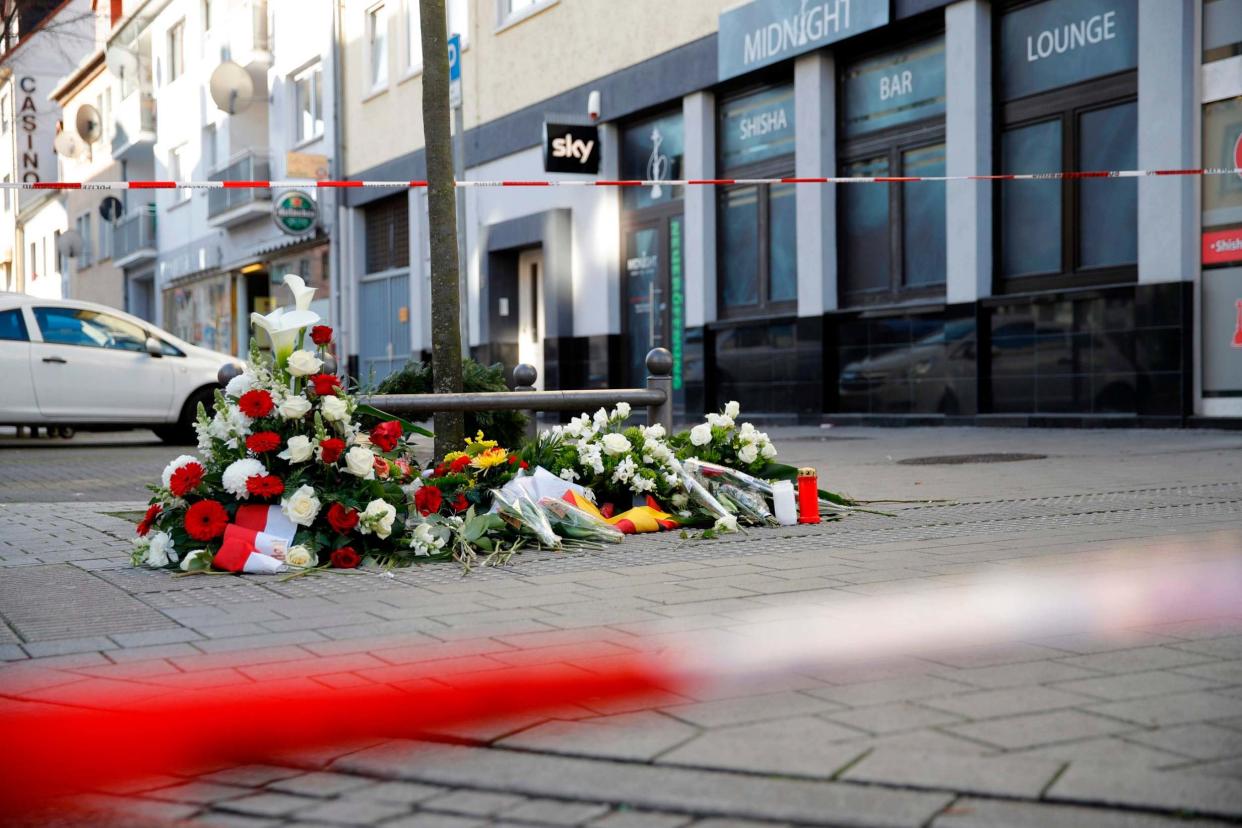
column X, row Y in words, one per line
column 248, row 167
column 135, row 124
column 134, row 235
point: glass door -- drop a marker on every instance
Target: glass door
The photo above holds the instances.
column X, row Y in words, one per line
column 648, row 299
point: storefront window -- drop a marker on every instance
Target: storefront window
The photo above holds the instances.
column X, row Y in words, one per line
column 1068, row 89
column 757, row 229
column 651, row 150
column 1222, row 29
column 892, row 236
column 201, row 313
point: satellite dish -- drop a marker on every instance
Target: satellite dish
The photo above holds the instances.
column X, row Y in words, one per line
column 111, row 208
column 89, row 124
column 69, row 244
column 231, row 87
column 67, row 146
column 122, row 63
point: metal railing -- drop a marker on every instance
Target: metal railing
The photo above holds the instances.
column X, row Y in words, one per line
column 134, row 232
column 250, row 166
column 657, row 397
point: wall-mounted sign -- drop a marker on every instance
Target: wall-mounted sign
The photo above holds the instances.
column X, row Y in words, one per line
column 570, row 148
column 1220, row 246
column 894, row 88
column 1060, row 42
column 306, row 165
column 1221, row 302
column 295, row 212
column 764, row 32
column 757, row 127
column 31, row 140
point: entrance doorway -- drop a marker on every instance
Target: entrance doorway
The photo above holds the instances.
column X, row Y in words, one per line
column 652, row 274
column 530, row 310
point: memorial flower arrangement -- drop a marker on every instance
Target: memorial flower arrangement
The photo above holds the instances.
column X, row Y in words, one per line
column 292, row 474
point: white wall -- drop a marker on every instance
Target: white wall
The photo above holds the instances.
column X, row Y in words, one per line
column 43, row 221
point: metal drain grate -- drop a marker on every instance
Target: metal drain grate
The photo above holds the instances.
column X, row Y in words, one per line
column 964, row 459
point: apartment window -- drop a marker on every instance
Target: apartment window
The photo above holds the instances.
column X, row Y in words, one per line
column 177, row 172
column 892, row 236
column 103, row 105
column 211, row 158
column 176, row 51
column 758, row 248
column 457, row 19
column 308, row 103
column 32, row 271
column 1070, row 110
column 4, row 114
column 377, row 46
column 387, row 224
column 513, row 10
column 83, row 226
column 105, row 238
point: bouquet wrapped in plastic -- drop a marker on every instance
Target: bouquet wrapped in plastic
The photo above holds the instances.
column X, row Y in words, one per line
column 737, row 491
column 577, row 524
column 718, row 473
column 725, row 519
column 520, row 511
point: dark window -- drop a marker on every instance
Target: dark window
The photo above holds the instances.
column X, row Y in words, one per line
column 1222, row 29
column 12, row 326
column 757, row 228
column 388, row 233
column 1068, row 91
column 71, row 326
column 651, row 150
column 891, row 237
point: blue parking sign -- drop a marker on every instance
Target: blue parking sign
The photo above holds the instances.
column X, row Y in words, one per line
column 454, row 47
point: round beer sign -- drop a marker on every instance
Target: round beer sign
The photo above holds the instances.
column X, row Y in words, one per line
column 295, row 212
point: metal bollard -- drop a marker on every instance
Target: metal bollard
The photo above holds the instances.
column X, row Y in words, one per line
column 524, row 378
column 660, row 378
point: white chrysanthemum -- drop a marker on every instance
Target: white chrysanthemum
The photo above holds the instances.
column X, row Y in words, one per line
column 237, row 473
column 701, row 434
column 240, row 384
column 160, row 551
column 183, row 460
column 568, row 474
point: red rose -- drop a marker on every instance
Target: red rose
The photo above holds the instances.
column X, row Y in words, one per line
column 262, row 442
column 524, row 465
column 342, row 519
column 325, row 384
column 321, row 334
column 330, row 449
column 206, row 520
column 440, row 470
column 345, row 558
column 265, row 485
column 461, row 504
column 153, row 511
column 428, row 500
column 381, row 467
column 458, row 465
column 255, row 404
column 186, row 479
column 386, row 435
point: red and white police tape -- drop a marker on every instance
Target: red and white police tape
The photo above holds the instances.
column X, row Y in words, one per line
column 91, row 736
column 618, row 182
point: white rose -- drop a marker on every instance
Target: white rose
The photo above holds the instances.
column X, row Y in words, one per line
column 732, row 409
column 294, row 407
column 378, row 518
column 360, row 462
column 160, row 550
column 728, row 523
column 601, row 418
column 301, row 507
column 304, row 363
column 721, row 420
column 768, row 451
column 300, row 449
column 748, row 432
column 748, row 453
column 615, row 444
column 196, row 560
column 655, row 432
column 298, row 556
column 334, row 408
column 623, row 410
column 701, row 434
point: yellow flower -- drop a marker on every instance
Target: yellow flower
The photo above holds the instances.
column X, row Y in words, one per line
column 453, row 455
column 479, row 442
column 489, row 458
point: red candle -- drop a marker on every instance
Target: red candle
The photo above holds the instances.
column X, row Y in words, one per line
column 808, row 496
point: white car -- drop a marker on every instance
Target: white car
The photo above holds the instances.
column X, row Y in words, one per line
column 67, row 364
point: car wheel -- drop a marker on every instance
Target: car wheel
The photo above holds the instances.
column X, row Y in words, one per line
column 181, row 432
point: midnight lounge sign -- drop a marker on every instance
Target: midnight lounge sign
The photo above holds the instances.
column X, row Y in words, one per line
column 1061, row 42
column 764, row 32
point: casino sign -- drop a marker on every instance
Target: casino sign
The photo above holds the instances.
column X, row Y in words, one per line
column 295, row 212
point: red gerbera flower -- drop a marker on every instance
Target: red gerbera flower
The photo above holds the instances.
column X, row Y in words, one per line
column 265, row 485
column 206, row 520
column 325, row 384
column 330, row 449
column 153, row 511
column 428, row 500
column 345, row 558
column 256, row 403
column 186, row 479
column 321, row 334
column 262, row 442
column 458, row 465
column 386, row 435
column 342, row 519
column 461, row 504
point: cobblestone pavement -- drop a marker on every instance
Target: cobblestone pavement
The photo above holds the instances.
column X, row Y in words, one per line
column 1068, row 730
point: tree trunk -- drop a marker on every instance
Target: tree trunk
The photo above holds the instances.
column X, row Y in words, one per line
column 442, row 215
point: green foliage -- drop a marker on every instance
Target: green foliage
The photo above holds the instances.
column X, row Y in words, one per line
column 505, row 427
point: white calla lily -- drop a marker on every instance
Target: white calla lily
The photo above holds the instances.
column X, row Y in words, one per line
column 282, row 328
column 302, row 295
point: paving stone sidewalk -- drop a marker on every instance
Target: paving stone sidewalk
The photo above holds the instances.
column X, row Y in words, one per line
column 1070, row 730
